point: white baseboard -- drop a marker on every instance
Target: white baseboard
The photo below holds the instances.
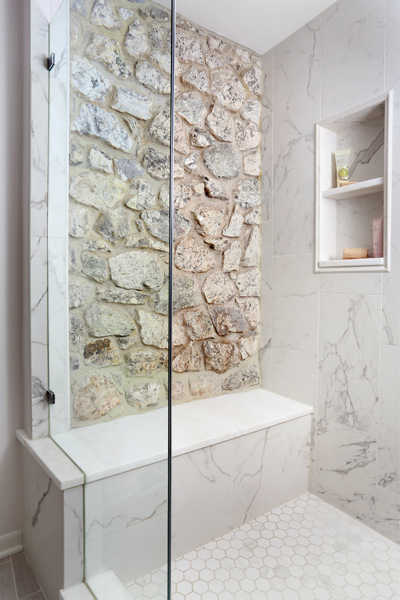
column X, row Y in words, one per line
column 11, row 543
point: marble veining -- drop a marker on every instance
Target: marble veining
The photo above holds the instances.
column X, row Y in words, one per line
column 266, row 137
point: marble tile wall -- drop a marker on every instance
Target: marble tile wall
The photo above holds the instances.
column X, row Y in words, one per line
column 332, row 340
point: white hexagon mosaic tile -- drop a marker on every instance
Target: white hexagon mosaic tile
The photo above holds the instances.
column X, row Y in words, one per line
column 303, row 550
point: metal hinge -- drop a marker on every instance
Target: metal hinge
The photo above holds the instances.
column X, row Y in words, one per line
column 50, row 397
column 51, row 61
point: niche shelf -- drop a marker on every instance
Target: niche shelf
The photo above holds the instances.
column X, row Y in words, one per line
column 344, row 215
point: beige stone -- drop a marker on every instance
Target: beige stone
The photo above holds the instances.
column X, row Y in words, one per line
column 221, row 124
column 218, row 288
column 227, row 87
column 153, row 329
column 95, row 397
column 193, row 255
column 228, row 319
column 235, row 225
column 101, row 353
column 203, row 386
column 251, row 257
column 246, row 377
column 247, row 135
column 144, row 395
column 210, row 219
column 248, row 283
column 198, row 325
column 146, row 362
column 187, row 359
column 178, row 335
column 218, row 355
column 251, row 310
column 232, row 257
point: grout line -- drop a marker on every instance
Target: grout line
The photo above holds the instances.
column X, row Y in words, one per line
column 13, row 574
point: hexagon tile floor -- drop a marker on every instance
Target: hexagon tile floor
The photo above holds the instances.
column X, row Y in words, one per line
column 303, row 550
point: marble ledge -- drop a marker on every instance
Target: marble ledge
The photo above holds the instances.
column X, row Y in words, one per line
column 62, row 471
column 76, row 592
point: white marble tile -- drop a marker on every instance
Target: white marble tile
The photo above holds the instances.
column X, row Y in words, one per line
column 76, row 592
column 124, row 500
column 73, row 536
column 295, row 384
column 388, row 472
column 40, row 417
column 297, row 85
column 265, row 357
column 202, row 485
column 392, row 73
column 343, row 13
column 58, row 129
column 387, row 514
column 38, row 156
column 391, row 285
column 58, row 204
column 351, row 283
column 266, row 274
column 59, row 414
column 59, row 40
column 354, row 222
column 294, row 197
column 266, row 136
column 38, row 289
column 349, row 349
column 347, row 77
column 39, row 28
column 345, row 469
column 295, row 313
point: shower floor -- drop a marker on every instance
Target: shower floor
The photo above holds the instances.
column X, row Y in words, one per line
column 303, row 550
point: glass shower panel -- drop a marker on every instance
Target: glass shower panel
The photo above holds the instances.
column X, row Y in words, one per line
column 109, row 292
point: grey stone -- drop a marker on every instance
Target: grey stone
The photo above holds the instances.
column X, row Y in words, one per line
column 94, row 267
column 157, row 36
column 159, row 302
column 232, row 257
column 137, row 270
column 247, row 193
column 96, row 246
column 243, row 54
column 248, row 283
column 114, row 295
column 153, row 329
column 218, row 44
column 247, row 135
column 227, row 87
column 78, row 222
column 136, row 41
column 210, row 219
column 125, row 13
column 223, row 160
column 178, row 335
column 79, row 7
column 253, row 217
column 252, row 79
column 142, row 196
column 181, row 195
column 203, row 386
column 128, row 168
column 73, row 264
column 78, row 294
column 221, row 124
column 99, row 160
column 87, row 80
column 102, row 15
column 214, row 189
column 196, row 78
column 187, row 359
column 109, row 52
column 131, row 102
column 101, row 353
column 190, row 163
column 143, row 241
column 188, row 48
column 218, row 355
column 185, row 293
column 144, row 395
column 160, row 128
column 251, row 310
column 235, row 225
column 113, row 225
column 193, row 255
column 94, row 397
column 200, row 138
column 127, row 342
column 213, row 60
column 251, row 256
column 76, row 324
column 243, row 378
column 137, row 137
column 152, row 78
column 228, row 319
column 191, row 107
column 95, row 121
column 146, row 362
column 97, row 190
column 157, row 163
column 75, row 154
column 157, row 223
column 163, row 196
column 251, row 111
column 198, row 325
column 162, row 60
column 218, row 288
column 162, row 16
column 249, row 344
column 181, row 143
column 189, row 27
column 252, row 164
column 103, row 321
column 219, row 244
column 182, row 225
column 179, row 172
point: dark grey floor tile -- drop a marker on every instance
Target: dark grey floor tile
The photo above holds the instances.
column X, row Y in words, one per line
column 4, row 560
column 37, row 596
column 7, row 588
column 24, row 578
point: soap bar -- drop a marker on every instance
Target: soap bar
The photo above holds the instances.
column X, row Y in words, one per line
column 349, row 253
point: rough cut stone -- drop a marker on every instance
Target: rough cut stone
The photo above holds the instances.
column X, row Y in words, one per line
column 162, row 16
column 243, row 378
column 146, row 362
column 114, row 295
column 218, row 244
column 187, row 359
column 251, row 163
column 136, row 41
column 181, row 143
column 97, row 190
column 221, row 124
column 78, row 222
column 198, row 325
column 79, row 7
column 190, row 163
column 181, row 195
column 100, row 161
column 88, row 80
column 178, row 390
column 214, row 189
column 203, row 386
column 213, row 60
column 137, row 137
column 156, row 163
column 218, row 288
column 200, row 138
column 156, row 36
column 162, row 60
column 253, row 217
column 159, row 129
column 137, row 270
column 103, row 321
column 144, row 395
column 125, row 13
column 102, row 15
column 127, row 342
column 188, row 49
column 191, row 107
column 228, row 319
column 192, row 255
column 249, row 344
column 235, row 225
column 248, row 283
column 247, row 193
column 96, row 246
column 185, row 293
column 218, row 355
column 128, row 168
column 142, row 196
column 247, row 135
column 179, row 172
column 143, row 241
column 223, row 160
column 152, row 78
column 182, row 225
column 131, row 102
column 251, row 310
column 197, row 187
column 218, row 44
column 95, row 396
column 157, row 223
column 153, row 329
column 73, row 264
column 227, row 87
column 251, row 111
column 109, row 52
column 78, row 294
column 75, row 154
column 251, row 256
column 159, row 302
column 232, row 257
column 178, row 335
column 101, row 353
column 197, row 79
column 210, row 219
column 95, row 121
column 94, row 267
column 163, row 196
column 113, row 225
column 252, row 79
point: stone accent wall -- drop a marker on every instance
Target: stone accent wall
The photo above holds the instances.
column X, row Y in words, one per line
column 119, row 201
